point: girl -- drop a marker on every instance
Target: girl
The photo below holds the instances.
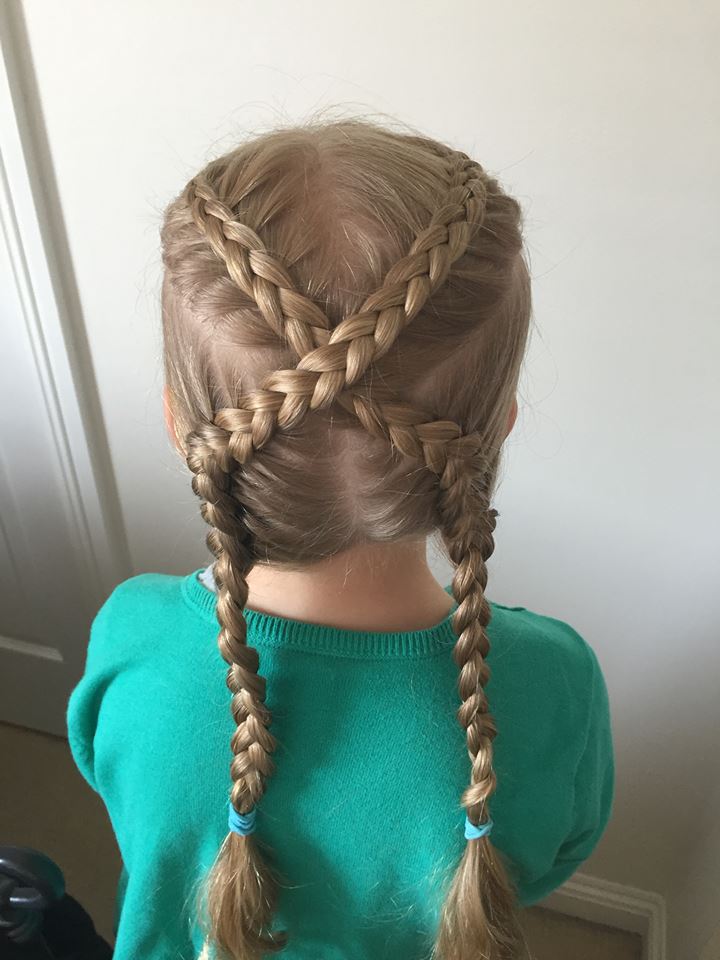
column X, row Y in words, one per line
column 345, row 313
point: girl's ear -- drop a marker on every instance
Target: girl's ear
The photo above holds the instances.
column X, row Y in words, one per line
column 169, row 418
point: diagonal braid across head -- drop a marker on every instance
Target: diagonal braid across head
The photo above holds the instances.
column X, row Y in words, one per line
column 261, row 276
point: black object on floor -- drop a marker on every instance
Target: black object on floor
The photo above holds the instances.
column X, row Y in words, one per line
column 38, row 920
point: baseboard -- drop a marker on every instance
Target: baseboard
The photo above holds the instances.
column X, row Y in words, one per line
column 617, row 905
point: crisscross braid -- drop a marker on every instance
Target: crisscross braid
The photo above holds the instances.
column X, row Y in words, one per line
column 324, row 373
column 477, row 919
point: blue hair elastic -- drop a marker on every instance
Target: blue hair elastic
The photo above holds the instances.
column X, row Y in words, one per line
column 473, row 832
column 241, row 823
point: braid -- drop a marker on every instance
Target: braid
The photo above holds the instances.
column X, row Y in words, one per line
column 260, row 276
column 478, row 917
column 364, row 337
column 240, row 923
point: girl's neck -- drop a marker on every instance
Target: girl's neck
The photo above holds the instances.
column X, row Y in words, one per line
column 375, row 587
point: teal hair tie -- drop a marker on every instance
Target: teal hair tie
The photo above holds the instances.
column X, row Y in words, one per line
column 241, row 823
column 473, row 832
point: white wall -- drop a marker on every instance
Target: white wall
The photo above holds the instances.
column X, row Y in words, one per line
column 602, row 118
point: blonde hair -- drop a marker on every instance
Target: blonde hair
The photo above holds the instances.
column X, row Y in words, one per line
column 345, row 311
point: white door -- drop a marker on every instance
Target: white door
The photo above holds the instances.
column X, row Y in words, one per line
column 61, row 545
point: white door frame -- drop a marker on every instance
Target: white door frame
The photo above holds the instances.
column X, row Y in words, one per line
column 31, row 230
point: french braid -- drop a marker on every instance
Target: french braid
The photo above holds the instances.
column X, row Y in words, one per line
column 478, row 915
column 260, row 276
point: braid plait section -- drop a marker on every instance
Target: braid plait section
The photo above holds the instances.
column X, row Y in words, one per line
column 364, row 337
column 241, row 923
column 229, row 542
column 238, row 432
column 261, row 276
column 469, row 540
column 479, row 917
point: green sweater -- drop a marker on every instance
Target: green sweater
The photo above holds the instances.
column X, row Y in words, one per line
column 363, row 812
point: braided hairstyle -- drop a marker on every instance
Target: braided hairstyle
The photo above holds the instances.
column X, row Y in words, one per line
column 345, row 311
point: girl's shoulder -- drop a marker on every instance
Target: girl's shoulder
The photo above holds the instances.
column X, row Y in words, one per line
column 146, row 598
column 542, row 642
column 143, row 594
column 542, row 635
column 539, row 658
column 144, row 619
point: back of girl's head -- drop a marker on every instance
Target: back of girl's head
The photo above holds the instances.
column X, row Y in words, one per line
column 345, row 311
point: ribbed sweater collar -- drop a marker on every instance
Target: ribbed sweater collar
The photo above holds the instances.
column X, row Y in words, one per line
column 275, row 631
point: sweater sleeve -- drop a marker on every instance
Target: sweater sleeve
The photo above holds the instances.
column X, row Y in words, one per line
column 86, row 698
column 593, row 794
column 595, row 777
column 116, row 750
